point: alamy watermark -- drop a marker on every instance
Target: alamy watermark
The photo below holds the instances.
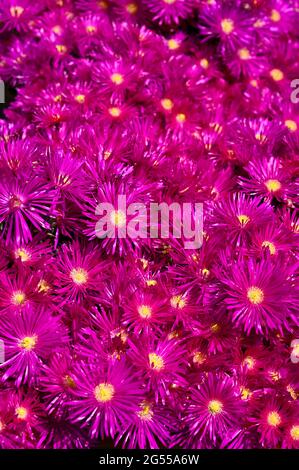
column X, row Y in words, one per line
column 155, row 220
column 295, row 93
column 2, row 92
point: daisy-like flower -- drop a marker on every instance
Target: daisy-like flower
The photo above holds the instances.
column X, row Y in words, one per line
column 162, row 362
column 268, row 178
column 169, row 11
column 79, row 272
column 17, row 14
column 104, row 398
column 144, row 311
column 253, row 289
column 149, row 427
column 214, row 407
column 24, row 206
column 238, row 216
column 28, row 341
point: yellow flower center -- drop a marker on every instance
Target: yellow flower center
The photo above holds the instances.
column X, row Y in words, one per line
column 291, row 125
column 244, row 54
column 273, row 185
column 145, row 311
column 292, row 392
column 167, row 104
column 227, row 26
column 145, row 413
column 169, row 2
column 69, row 382
column 255, row 295
column 245, row 393
column 43, row 286
column 91, row 29
column 180, row 118
column 2, row 426
column 173, row 44
column 177, row 301
column 132, row 8
column 23, row 254
column 214, row 328
column 117, row 78
column 243, row 219
column 273, row 419
column 294, row 432
column 61, row 48
column 270, row 246
column 28, row 343
column 79, row 276
column 204, row 63
column 118, row 218
column 21, row 412
column 80, row 98
column 57, row 30
column 275, row 16
column 16, row 11
column 151, row 282
column 104, row 392
column 215, row 407
column 199, row 357
column 277, row 75
column 114, row 111
column 249, row 362
column 156, row 361
column 19, row 298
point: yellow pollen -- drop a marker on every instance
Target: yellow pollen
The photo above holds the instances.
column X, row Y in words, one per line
column 227, row 26
column 118, row 218
column 114, row 111
column 57, row 30
column 254, row 83
column 292, row 392
column 181, row 118
column 204, row 63
column 296, row 350
column 145, row 413
column 61, row 48
column 21, row 412
column 259, row 24
column 277, row 75
column 23, row 254
column 199, row 357
column 79, row 276
column 156, row 362
column 151, row 282
column 80, row 98
column 104, row 392
column 57, row 98
column 270, row 246
column 43, row 286
column 69, row 382
column 244, row 54
column 91, row 29
column 274, row 375
column 173, row 44
column 167, row 104
column 169, row 2
column 215, row 407
column 255, row 295
column 28, row 343
column 294, row 432
column 16, row 11
column 132, row 8
column 243, row 219
column 177, row 301
column 249, row 362
column 19, row 298
column 2, row 426
column 275, row 16
column 214, row 328
column 245, row 393
column 205, row 272
column 145, row 311
column 273, row 185
column 291, row 125
column 273, row 419
column 144, row 263
column 117, row 78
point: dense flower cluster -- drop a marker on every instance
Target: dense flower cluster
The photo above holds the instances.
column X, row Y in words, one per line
column 142, row 341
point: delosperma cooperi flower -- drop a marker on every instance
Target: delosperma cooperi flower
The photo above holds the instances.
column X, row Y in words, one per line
column 120, row 122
